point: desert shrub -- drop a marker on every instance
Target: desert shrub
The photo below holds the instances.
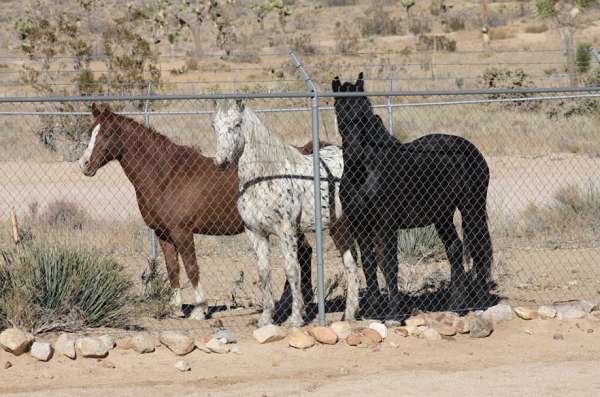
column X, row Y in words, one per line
column 536, row 28
column 346, row 41
column 378, row 22
column 583, row 57
column 456, row 23
column 45, row 288
column 419, row 26
column 419, row 243
column 339, row 3
column 64, row 213
column 439, row 43
column 303, row 44
column 504, row 78
column 501, row 33
column 155, row 300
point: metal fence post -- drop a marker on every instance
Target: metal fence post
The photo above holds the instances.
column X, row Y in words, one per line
column 317, row 187
column 390, row 109
column 595, row 54
column 153, row 253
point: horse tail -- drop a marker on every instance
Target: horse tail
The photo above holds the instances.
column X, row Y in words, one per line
column 477, row 239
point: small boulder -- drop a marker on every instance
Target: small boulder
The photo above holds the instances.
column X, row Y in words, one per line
column 269, row 333
column 41, row 351
column 547, row 312
column 373, row 335
column 498, row 313
column 225, row 335
column 183, row 366
column 178, row 342
column 143, row 343
column 415, row 321
column 7, row 365
column 526, row 313
column 108, row 341
column 124, row 343
column 569, row 312
column 443, row 328
column 15, row 341
column 299, row 340
column 323, row 335
column 65, row 345
column 480, row 327
column 431, row 334
column 341, row 328
column 91, row 347
column 381, row 328
column 217, row 346
column 587, row 306
column 414, row 330
column 402, row 331
column 354, row 339
column 462, row 325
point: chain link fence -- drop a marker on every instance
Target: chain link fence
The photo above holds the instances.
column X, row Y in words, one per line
column 540, row 149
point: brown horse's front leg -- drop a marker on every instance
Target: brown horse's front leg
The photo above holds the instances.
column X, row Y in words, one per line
column 172, row 263
column 185, row 246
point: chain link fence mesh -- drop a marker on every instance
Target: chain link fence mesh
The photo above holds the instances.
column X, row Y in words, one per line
column 543, row 199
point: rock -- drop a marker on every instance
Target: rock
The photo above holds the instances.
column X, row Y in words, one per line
column 7, row 365
column 462, row 325
column 217, row 346
column 431, row 334
column 124, row 343
column 15, row 341
column 547, row 312
column 373, row 335
column 299, row 340
column 443, row 328
column 91, row 347
column 143, row 343
column 108, row 341
column 341, row 328
column 402, row 331
column 569, row 312
column 480, row 327
column 65, row 345
column 448, row 318
column 498, row 313
column 415, row 321
column 41, row 351
column 324, row 335
column 558, row 337
column 587, row 306
column 201, row 342
column 178, row 342
column 107, row 364
column 226, row 335
column 415, row 331
column 183, row 366
column 381, row 328
column 526, row 313
column 269, row 333
column 354, row 339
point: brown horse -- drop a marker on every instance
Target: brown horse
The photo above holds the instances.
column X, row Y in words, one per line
column 179, row 192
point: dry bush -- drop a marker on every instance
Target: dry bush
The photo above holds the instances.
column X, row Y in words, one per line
column 419, row 26
column 64, row 213
column 541, row 28
column 439, row 43
column 379, row 22
column 455, row 23
column 346, row 40
column 303, row 44
column 502, row 33
column 339, row 3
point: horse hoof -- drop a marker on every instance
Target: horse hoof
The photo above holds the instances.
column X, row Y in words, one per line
column 294, row 323
column 264, row 320
column 198, row 314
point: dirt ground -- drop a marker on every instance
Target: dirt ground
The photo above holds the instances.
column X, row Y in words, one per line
column 521, row 358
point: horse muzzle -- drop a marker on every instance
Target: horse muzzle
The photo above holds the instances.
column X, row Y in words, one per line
column 220, row 164
column 85, row 168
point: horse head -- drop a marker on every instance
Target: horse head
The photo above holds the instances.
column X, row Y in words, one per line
column 103, row 146
column 227, row 125
column 351, row 111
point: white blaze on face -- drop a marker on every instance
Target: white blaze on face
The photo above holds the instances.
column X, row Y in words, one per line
column 87, row 155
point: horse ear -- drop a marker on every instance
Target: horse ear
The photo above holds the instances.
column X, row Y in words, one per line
column 95, row 110
column 360, row 82
column 336, row 84
column 240, row 104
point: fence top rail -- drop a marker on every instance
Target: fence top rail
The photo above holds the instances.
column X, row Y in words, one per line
column 282, row 95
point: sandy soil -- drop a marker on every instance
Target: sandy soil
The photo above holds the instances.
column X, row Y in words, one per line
column 519, row 359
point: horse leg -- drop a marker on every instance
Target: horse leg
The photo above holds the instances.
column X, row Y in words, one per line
column 172, row 264
column 260, row 243
column 478, row 240
column 289, row 249
column 345, row 244
column 454, row 250
column 305, row 259
column 388, row 238
column 185, row 245
column 368, row 257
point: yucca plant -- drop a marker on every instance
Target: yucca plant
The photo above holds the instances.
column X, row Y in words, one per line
column 419, row 242
column 45, row 288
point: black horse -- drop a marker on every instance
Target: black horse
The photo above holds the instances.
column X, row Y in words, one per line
column 387, row 185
